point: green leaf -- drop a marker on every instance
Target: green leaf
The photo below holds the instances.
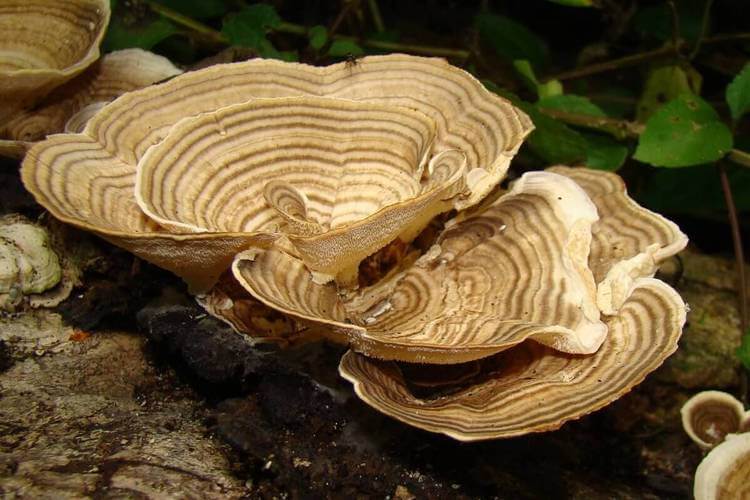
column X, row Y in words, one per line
column 511, row 39
column 144, row 36
column 603, row 152
column 664, row 84
column 738, row 93
column 574, row 3
column 526, row 72
column 743, row 351
column 198, row 9
column 686, row 131
column 552, row 140
column 248, row 27
column 571, row 104
column 343, row 48
column 318, row 36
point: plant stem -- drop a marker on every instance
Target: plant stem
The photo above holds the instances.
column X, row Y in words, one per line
column 188, row 22
column 739, row 157
column 377, row 19
column 704, row 28
column 675, row 18
column 296, row 29
column 737, row 241
column 620, row 129
column 636, row 59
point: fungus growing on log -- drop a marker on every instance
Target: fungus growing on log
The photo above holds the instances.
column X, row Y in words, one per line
column 43, row 44
column 533, row 388
column 266, row 186
column 69, row 107
column 28, row 266
column 709, row 416
column 724, row 473
column 88, row 179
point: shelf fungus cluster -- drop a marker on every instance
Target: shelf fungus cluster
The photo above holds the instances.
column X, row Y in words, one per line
column 361, row 204
column 45, row 43
column 69, row 107
column 718, row 423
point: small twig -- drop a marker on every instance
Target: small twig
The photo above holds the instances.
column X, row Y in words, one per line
column 737, row 241
column 675, row 18
column 613, row 64
column 620, row 129
column 188, row 22
column 377, row 19
column 340, row 17
column 296, row 29
column 704, row 28
column 641, row 57
column 739, row 157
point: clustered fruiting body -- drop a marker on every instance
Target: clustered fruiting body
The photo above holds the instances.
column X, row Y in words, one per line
column 269, row 186
column 51, row 77
column 718, row 423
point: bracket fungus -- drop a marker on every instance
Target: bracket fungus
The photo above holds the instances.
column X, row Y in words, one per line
column 43, row 44
column 724, row 473
column 69, row 107
column 28, row 265
column 268, row 186
column 709, row 416
column 88, row 179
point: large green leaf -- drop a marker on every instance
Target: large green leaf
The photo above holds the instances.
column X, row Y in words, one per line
column 738, row 93
column 684, row 132
column 511, row 39
column 145, row 36
column 665, row 83
column 248, row 27
column 571, row 104
column 603, row 152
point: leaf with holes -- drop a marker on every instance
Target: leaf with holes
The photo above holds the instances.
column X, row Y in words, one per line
column 664, row 84
column 684, row 132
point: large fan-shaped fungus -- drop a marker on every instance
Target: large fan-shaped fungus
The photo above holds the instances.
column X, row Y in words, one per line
column 70, row 106
column 43, row 44
column 88, row 179
column 542, row 299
